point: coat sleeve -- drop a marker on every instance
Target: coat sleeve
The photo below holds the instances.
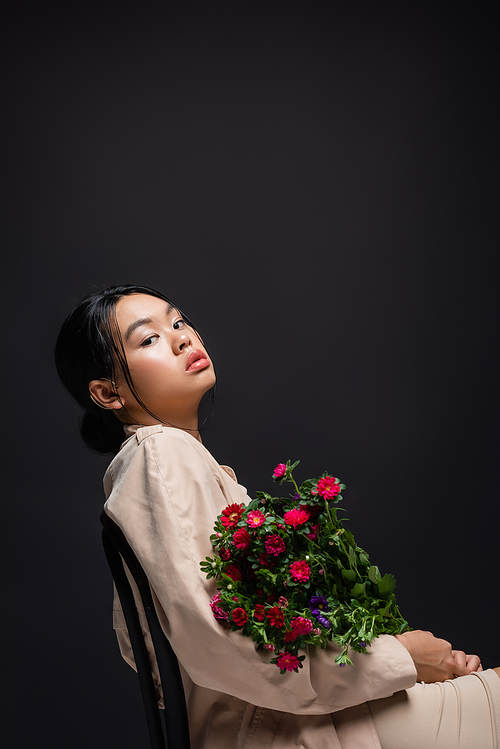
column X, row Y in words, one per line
column 165, row 498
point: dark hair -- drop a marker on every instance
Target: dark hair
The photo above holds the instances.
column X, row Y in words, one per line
column 89, row 347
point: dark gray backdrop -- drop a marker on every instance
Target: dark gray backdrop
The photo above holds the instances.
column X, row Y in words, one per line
column 317, row 189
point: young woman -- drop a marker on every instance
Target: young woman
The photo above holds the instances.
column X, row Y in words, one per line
column 140, row 370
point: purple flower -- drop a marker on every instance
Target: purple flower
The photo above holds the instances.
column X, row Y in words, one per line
column 321, row 619
column 318, row 605
column 318, row 602
column 362, row 644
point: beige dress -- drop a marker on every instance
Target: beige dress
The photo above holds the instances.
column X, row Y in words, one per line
column 164, row 489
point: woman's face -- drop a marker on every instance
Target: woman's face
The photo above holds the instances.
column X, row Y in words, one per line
column 168, row 363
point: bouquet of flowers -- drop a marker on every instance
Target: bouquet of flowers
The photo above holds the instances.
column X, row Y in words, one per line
column 289, row 574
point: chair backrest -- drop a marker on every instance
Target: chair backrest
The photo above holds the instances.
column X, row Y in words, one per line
column 174, row 716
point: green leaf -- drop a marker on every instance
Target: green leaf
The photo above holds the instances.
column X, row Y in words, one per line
column 386, row 586
column 374, row 574
column 358, row 590
column 349, row 574
column 349, row 537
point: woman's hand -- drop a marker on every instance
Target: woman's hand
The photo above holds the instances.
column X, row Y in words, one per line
column 434, row 659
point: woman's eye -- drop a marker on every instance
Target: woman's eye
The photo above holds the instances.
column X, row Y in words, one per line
column 148, row 341
column 178, row 324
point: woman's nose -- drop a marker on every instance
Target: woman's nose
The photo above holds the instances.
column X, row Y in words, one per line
column 181, row 340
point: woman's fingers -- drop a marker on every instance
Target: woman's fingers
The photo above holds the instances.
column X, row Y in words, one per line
column 461, row 665
column 474, row 662
column 466, row 663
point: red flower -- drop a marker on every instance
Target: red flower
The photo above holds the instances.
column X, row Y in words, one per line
column 301, row 625
column 312, row 533
column 263, row 559
column 255, row 518
column 279, row 471
column 224, row 554
column 274, row 544
column 275, row 616
column 296, row 517
column 260, row 612
column 328, row 487
column 233, row 571
column 300, row 571
column 288, row 662
column 240, row 617
column 241, row 538
column 290, row 636
column 232, row 515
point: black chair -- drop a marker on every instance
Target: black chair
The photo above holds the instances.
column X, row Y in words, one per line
column 168, row 728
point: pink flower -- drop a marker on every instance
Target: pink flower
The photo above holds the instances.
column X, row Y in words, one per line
column 290, row 636
column 279, row 471
column 275, row 616
column 241, row 538
column 316, row 632
column 259, row 612
column 296, row 517
column 312, row 533
column 288, row 662
column 282, row 601
column 328, row 487
column 255, row 518
column 240, row 617
column 216, row 609
column 300, row 571
column 301, row 625
column 224, row 554
column 274, row 544
column 269, row 646
column 231, row 515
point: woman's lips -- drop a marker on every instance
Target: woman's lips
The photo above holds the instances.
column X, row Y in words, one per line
column 197, row 360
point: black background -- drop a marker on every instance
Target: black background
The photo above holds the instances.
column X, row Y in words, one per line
column 317, row 188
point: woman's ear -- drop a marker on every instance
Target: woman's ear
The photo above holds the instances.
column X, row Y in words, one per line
column 104, row 395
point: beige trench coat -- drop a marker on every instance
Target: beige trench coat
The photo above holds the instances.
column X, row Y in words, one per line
column 164, row 489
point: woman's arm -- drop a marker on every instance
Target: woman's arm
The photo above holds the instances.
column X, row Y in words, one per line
column 166, row 495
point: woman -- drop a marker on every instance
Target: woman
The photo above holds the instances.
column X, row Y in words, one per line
column 138, row 367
